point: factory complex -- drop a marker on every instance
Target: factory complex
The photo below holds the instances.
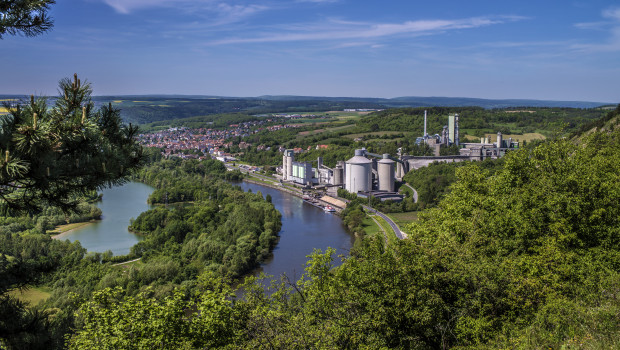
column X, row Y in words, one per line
column 367, row 174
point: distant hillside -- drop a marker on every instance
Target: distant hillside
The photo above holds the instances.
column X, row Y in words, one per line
column 489, row 104
column 151, row 108
column 414, row 101
column 606, row 123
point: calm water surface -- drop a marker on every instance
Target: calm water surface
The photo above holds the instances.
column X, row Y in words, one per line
column 119, row 205
column 304, row 228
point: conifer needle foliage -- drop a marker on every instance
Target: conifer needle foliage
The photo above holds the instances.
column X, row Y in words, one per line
column 26, row 17
column 52, row 154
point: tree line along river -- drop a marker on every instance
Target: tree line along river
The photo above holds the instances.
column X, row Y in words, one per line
column 304, row 227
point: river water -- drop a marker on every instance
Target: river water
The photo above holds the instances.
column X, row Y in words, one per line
column 304, row 227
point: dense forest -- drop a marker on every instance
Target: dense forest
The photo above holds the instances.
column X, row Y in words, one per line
column 224, row 230
column 214, row 228
column 433, row 182
column 523, row 258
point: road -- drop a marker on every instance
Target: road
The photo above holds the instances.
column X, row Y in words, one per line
column 415, row 193
column 399, row 234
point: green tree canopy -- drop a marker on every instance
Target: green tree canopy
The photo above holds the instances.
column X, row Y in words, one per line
column 52, row 155
column 27, row 17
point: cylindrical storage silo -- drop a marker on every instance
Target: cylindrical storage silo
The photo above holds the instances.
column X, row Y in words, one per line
column 358, row 173
column 284, row 166
column 385, row 169
column 338, row 175
column 290, row 157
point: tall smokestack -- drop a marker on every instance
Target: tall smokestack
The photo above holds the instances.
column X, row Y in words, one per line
column 425, row 134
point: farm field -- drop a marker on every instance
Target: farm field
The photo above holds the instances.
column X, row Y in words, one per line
column 374, row 133
column 324, row 130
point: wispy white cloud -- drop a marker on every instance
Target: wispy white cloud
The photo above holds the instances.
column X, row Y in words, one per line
column 612, row 25
column 128, row 6
column 318, row 1
column 223, row 10
column 344, row 30
column 613, row 13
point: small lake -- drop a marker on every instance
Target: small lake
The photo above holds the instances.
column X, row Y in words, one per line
column 119, row 205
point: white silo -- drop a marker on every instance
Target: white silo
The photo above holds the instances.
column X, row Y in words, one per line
column 385, row 168
column 290, row 158
column 284, row 167
column 339, row 174
column 358, row 173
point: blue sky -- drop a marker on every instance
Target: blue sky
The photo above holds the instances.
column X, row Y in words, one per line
column 561, row 50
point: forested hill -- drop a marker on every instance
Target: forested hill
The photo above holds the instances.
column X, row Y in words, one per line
column 607, row 123
column 151, row 108
column 472, row 119
column 526, row 258
column 416, row 101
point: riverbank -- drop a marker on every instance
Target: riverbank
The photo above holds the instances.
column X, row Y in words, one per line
column 62, row 231
column 278, row 186
column 299, row 193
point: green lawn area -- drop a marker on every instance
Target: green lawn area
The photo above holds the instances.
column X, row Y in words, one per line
column 391, row 236
column 370, row 227
column 403, row 219
column 33, row 295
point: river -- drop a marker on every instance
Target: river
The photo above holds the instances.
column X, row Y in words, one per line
column 304, row 227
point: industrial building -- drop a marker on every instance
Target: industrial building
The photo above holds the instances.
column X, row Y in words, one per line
column 365, row 173
column 297, row 172
column 369, row 174
column 358, row 173
column 449, row 135
column 485, row 149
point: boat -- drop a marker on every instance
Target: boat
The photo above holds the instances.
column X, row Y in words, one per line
column 329, row 209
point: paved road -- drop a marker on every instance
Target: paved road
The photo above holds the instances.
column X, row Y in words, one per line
column 126, row 262
column 399, row 234
column 415, row 193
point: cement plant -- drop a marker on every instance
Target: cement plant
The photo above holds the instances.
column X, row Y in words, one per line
column 368, row 174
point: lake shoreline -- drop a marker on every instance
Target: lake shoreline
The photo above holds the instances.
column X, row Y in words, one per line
column 69, row 231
